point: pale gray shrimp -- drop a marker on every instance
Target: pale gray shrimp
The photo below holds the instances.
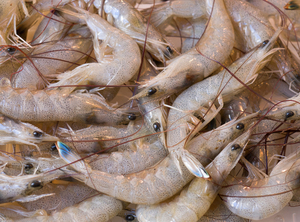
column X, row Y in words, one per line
column 194, row 200
column 223, row 84
column 100, row 208
column 19, row 187
column 52, row 105
column 216, row 44
column 113, row 69
column 267, row 196
column 16, row 132
column 66, row 195
column 180, row 8
column 128, row 19
column 163, row 180
column 48, row 59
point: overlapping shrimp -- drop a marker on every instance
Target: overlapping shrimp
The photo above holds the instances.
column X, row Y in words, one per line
column 267, row 196
column 194, row 200
column 113, row 69
column 52, row 105
column 198, row 63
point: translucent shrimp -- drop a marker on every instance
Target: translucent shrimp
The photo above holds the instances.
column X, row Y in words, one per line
column 100, row 208
column 194, row 200
column 33, row 74
column 222, row 84
column 165, row 178
column 52, row 105
column 180, row 8
column 128, row 19
column 19, row 187
column 115, row 69
column 12, row 131
column 216, row 43
column 269, row 195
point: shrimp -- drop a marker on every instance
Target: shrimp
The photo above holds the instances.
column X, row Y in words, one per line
column 269, row 195
column 128, row 19
column 18, row 187
column 100, row 208
column 180, row 8
column 12, row 131
column 191, row 66
column 222, row 84
column 161, row 181
column 114, row 70
column 194, row 200
column 42, row 62
column 52, row 105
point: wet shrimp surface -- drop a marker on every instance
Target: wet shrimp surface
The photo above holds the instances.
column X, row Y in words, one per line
column 126, row 110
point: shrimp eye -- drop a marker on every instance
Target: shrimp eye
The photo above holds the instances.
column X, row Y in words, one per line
column 131, row 116
column 35, row 183
column 37, row 134
column 235, row 147
column 240, row 126
column 129, row 217
column 28, row 166
column 265, row 43
column 151, row 91
column 289, row 114
column 53, row 147
column 156, row 126
column 170, row 50
column 10, row 50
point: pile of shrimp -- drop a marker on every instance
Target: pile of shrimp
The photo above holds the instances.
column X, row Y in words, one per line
column 149, row 110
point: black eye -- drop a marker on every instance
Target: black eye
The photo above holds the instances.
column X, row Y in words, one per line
column 156, row 126
column 10, row 50
column 131, row 116
column 129, row 217
column 28, row 166
column 240, row 126
column 35, row 183
column 53, row 147
column 151, row 91
column 289, row 114
column 265, row 43
column 37, row 134
column 170, row 50
column 235, row 147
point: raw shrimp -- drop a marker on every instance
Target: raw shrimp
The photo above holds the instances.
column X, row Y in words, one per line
column 128, row 19
column 18, row 187
column 162, row 180
column 12, row 131
column 222, row 84
column 264, row 197
column 113, row 70
column 52, row 105
column 47, row 59
column 180, row 8
column 194, row 200
column 11, row 14
column 99, row 208
column 216, row 44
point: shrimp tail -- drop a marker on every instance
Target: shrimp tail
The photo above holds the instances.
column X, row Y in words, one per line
column 159, row 15
column 193, row 165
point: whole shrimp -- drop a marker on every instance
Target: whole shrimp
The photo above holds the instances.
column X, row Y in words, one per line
column 12, row 131
column 194, row 200
column 128, row 19
column 191, row 66
column 114, row 70
column 161, row 181
column 35, row 71
column 52, row 105
column 222, row 84
column 267, row 196
column 100, row 208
